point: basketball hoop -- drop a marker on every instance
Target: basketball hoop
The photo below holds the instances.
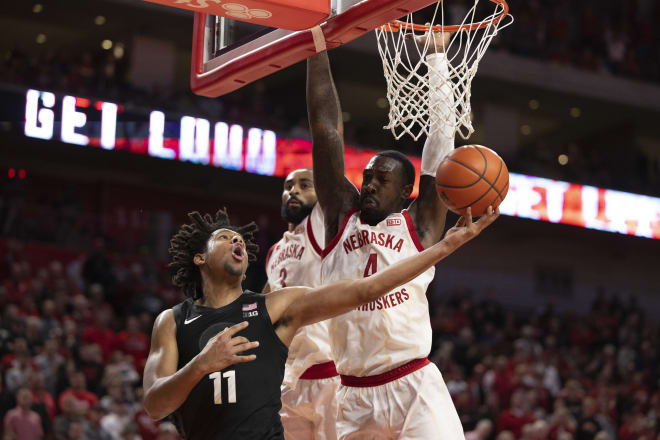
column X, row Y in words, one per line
column 407, row 72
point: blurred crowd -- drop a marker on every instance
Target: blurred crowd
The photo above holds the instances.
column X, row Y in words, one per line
column 618, row 38
column 547, row 375
column 74, row 337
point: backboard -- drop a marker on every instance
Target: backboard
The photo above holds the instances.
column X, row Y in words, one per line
column 225, row 59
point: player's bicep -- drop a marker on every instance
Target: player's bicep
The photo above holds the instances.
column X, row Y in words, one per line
column 163, row 354
column 279, row 303
column 321, row 303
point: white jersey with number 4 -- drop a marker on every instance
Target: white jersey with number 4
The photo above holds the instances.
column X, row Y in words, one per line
column 394, row 329
column 295, row 260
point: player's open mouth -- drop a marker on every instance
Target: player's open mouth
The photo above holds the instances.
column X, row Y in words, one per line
column 237, row 252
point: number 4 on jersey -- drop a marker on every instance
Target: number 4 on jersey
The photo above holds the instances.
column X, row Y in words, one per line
column 372, row 265
column 217, row 386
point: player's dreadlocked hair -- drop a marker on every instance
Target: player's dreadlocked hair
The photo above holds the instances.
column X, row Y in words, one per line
column 192, row 238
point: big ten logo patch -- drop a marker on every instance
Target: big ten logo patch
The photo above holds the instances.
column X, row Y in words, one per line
column 393, row 222
column 235, row 10
column 250, row 310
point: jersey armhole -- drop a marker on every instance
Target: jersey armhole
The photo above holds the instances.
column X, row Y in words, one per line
column 340, row 232
column 312, row 238
column 269, row 322
column 270, row 252
column 411, row 230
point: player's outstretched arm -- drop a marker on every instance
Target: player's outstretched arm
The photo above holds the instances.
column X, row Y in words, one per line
column 336, row 194
column 428, row 212
column 165, row 388
column 296, row 307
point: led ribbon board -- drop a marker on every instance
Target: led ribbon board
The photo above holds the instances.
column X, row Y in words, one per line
column 83, row 122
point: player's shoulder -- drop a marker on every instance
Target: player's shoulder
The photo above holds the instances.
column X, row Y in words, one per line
column 165, row 324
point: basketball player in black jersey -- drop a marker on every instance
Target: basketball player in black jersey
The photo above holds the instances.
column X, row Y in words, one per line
column 217, row 359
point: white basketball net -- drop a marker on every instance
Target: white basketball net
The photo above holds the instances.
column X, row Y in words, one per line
column 406, row 74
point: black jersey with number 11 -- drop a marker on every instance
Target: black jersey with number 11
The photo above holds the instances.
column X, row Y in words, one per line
column 243, row 400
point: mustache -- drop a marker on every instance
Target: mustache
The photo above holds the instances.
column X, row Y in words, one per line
column 296, row 199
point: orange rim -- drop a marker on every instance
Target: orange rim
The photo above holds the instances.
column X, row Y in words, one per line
column 396, row 25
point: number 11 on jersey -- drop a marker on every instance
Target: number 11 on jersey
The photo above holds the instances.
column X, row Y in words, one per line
column 217, row 386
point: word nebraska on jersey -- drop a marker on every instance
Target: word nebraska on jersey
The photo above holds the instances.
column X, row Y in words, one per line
column 293, row 250
column 362, row 238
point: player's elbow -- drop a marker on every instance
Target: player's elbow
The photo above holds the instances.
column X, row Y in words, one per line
column 152, row 408
column 323, row 128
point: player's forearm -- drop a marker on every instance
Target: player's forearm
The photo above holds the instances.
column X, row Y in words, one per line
column 343, row 296
column 323, row 107
column 443, row 120
column 371, row 288
column 166, row 394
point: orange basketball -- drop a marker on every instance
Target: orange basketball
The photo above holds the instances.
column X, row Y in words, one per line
column 472, row 176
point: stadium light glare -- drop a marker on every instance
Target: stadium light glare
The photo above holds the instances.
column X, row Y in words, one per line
column 525, row 130
column 99, row 20
column 37, row 8
column 562, row 159
column 575, row 112
column 534, row 104
column 106, row 44
column 41, row 38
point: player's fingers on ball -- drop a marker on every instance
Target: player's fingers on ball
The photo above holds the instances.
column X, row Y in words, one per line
column 468, row 216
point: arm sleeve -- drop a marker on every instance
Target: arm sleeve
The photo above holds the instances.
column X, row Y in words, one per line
column 442, row 118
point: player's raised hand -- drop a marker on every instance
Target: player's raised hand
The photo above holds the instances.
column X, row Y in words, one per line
column 465, row 229
column 223, row 349
column 439, row 41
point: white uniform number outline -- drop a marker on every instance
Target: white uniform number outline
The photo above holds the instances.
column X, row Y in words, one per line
column 217, row 386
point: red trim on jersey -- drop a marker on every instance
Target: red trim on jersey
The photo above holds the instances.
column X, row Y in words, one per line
column 320, row 371
column 382, row 379
column 335, row 240
column 411, row 230
column 270, row 252
column 312, row 239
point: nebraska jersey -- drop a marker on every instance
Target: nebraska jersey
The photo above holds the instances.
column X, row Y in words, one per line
column 295, row 260
column 394, row 329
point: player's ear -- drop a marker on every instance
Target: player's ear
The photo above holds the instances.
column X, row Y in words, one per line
column 406, row 190
column 199, row 259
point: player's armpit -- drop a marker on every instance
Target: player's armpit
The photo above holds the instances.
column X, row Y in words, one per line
column 165, row 388
column 279, row 306
column 266, row 288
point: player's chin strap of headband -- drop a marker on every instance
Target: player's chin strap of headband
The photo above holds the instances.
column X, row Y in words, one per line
column 319, row 39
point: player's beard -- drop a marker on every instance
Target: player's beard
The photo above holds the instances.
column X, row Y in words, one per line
column 296, row 215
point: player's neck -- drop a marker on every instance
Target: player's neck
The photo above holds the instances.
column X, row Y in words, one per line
column 220, row 293
column 292, row 227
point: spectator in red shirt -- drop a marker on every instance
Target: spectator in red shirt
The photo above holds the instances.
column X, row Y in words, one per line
column 517, row 416
column 147, row 427
column 101, row 334
column 21, row 422
column 79, row 391
column 134, row 342
column 40, row 395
